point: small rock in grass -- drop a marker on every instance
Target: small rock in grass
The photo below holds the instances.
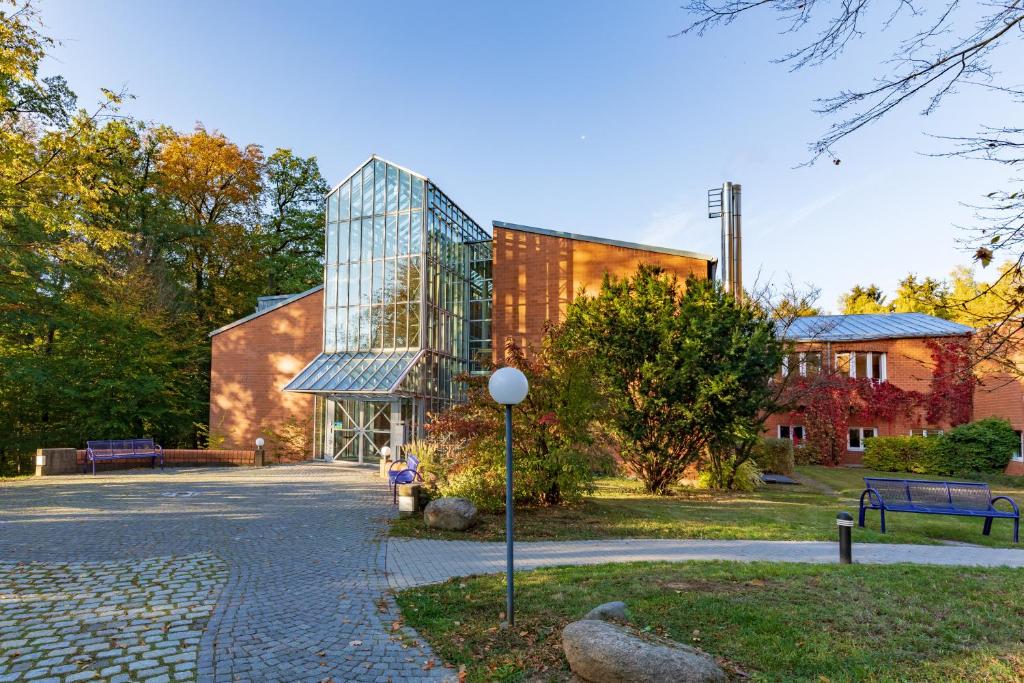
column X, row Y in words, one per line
column 609, row 611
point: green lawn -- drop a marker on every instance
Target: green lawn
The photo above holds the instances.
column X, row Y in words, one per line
column 773, row 622
column 620, row 509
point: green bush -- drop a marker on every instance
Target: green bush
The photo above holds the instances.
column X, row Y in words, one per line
column 775, row 456
column 917, row 454
column 720, row 476
column 982, row 446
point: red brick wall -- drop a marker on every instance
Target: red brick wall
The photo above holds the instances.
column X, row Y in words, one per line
column 253, row 361
column 536, row 276
column 908, row 366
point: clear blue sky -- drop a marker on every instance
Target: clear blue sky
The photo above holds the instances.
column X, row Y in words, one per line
column 581, row 116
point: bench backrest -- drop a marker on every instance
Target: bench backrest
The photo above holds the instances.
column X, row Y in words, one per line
column 412, row 462
column 112, row 447
column 962, row 495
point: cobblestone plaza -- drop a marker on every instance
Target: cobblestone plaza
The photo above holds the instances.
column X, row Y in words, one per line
column 202, row 575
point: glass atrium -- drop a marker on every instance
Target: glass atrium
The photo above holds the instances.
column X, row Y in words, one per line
column 407, row 308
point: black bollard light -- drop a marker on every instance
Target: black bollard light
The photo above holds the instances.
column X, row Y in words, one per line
column 844, row 520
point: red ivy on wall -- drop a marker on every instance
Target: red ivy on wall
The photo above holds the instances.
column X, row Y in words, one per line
column 828, row 403
column 952, row 392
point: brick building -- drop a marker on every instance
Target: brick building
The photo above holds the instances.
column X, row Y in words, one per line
column 415, row 292
column 894, row 348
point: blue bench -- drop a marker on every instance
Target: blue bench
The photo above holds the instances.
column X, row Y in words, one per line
column 961, row 498
column 122, row 449
column 407, row 475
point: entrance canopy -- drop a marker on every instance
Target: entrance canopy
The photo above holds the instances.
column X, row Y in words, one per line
column 359, row 375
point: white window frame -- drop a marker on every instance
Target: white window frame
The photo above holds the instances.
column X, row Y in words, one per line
column 1018, row 455
column 883, row 367
column 802, row 355
column 927, row 431
column 792, row 437
column 860, row 448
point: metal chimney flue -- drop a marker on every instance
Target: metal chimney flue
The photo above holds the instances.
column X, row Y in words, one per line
column 724, row 203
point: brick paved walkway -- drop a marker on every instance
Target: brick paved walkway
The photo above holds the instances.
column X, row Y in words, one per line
column 291, row 555
column 414, row 562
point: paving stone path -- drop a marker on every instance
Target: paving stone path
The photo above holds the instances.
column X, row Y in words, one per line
column 283, row 566
column 416, row 562
column 116, row 621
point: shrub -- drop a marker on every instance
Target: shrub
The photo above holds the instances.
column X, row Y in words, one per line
column 982, row 446
column 747, row 477
column 775, row 456
column 289, row 441
column 918, row 454
column 553, row 436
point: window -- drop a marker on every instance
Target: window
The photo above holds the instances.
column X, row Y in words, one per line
column 804, row 363
column 869, row 364
column 1018, row 452
column 927, row 431
column 857, row 437
column 795, row 433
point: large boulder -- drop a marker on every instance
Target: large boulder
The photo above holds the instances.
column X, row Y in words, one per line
column 609, row 611
column 602, row 652
column 452, row 514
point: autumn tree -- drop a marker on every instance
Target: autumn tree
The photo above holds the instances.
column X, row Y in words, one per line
column 214, row 187
column 927, row 295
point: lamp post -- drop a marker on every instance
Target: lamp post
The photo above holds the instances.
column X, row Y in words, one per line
column 508, row 387
column 258, row 457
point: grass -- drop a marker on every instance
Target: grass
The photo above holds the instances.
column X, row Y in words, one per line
column 620, row 509
column 768, row 621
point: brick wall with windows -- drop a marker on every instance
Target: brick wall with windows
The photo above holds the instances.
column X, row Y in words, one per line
column 907, row 363
column 536, row 276
column 253, row 360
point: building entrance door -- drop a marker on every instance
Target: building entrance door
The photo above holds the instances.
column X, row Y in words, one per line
column 360, row 430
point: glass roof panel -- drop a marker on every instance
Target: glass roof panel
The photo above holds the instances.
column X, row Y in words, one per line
column 354, row 373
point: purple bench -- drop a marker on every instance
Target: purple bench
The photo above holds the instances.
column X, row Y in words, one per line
column 407, row 475
column 122, row 449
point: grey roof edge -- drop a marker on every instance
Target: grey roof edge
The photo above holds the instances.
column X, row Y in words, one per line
column 604, row 240
column 953, row 329
column 241, row 321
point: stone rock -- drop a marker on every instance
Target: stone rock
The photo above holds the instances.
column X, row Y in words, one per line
column 601, row 652
column 609, row 611
column 452, row 514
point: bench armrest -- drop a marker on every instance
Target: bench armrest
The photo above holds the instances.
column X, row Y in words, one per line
column 869, row 492
column 1013, row 504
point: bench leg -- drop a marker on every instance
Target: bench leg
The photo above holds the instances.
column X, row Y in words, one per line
column 1016, row 528
column 882, row 515
column 988, row 527
column 860, row 517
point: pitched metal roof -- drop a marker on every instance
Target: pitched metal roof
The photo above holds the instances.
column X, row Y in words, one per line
column 360, row 373
column 868, row 326
column 604, row 240
column 284, row 301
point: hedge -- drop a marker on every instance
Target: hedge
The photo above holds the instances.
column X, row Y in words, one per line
column 774, row 456
column 983, row 446
column 917, row 454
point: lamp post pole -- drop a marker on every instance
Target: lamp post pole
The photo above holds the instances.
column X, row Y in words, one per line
column 510, row 589
column 508, row 387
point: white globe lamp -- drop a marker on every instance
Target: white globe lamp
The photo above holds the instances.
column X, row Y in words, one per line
column 508, row 386
column 260, row 442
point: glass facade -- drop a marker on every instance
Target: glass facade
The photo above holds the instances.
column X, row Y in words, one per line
column 407, row 308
